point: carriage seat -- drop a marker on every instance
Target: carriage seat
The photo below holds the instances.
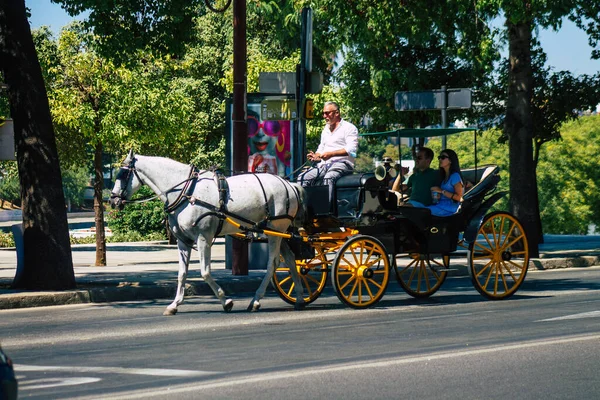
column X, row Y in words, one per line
column 483, row 179
column 356, row 194
column 357, row 180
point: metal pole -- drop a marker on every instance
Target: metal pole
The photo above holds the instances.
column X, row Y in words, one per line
column 239, row 265
column 300, row 150
column 444, row 115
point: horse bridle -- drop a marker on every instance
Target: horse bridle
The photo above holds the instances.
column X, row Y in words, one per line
column 127, row 171
column 124, row 176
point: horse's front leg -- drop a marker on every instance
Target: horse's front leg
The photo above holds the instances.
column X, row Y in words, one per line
column 184, row 262
column 204, row 256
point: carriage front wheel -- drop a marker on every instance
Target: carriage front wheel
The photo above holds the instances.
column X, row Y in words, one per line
column 313, row 275
column 499, row 256
column 361, row 271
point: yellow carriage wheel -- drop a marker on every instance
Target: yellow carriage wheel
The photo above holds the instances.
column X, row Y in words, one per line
column 421, row 275
column 360, row 272
column 499, row 256
column 313, row 275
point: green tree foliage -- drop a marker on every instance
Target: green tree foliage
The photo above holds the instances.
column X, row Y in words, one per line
column 569, row 178
column 141, row 219
column 74, row 181
column 97, row 105
column 10, row 188
column 393, row 46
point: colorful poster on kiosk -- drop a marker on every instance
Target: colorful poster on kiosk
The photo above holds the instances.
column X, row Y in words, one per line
column 270, row 140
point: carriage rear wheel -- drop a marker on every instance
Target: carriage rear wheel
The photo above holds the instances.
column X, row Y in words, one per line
column 499, row 256
column 313, row 275
column 421, row 275
column 360, row 272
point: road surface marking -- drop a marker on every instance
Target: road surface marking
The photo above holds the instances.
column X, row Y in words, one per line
column 591, row 314
column 54, row 382
column 304, row 372
column 113, row 370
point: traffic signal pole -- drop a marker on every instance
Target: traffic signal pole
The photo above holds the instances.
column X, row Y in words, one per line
column 239, row 264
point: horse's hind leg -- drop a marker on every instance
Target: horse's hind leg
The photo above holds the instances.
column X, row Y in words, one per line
column 184, row 262
column 290, row 260
column 274, row 248
column 204, row 256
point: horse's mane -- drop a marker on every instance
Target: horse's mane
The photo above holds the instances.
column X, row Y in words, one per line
column 163, row 159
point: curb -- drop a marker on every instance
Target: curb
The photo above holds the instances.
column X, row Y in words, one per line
column 91, row 292
column 121, row 293
column 540, row 264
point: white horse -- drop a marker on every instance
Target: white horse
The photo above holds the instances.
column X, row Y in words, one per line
column 197, row 204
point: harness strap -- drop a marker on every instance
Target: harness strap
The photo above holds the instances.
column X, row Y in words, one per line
column 223, row 188
column 267, row 217
column 186, row 191
column 223, row 214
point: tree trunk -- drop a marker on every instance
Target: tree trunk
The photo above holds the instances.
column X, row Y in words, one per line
column 99, row 206
column 519, row 129
column 48, row 263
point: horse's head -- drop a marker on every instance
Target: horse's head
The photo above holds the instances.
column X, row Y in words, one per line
column 126, row 184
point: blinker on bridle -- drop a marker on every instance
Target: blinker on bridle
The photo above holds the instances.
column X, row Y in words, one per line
column 124, row 176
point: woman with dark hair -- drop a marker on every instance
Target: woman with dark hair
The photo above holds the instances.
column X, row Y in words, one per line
column 451, row 189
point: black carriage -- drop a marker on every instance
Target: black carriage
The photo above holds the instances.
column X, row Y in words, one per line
column 362, row 236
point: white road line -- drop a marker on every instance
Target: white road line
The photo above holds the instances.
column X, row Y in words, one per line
column 304, row 372
column 54, row 382
column 591, row 314
column 113, row 370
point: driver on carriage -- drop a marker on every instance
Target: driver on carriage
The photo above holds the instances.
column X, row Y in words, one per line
column 336, row 151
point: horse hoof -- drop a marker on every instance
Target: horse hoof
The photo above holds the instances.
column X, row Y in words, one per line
column 254, row 306
column 228, row 305
column 299, row 306
column 170, row 311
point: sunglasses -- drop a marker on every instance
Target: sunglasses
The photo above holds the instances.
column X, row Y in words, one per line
column 270, row 128
column 327, row 113
column 419, row 158
column 443, row 157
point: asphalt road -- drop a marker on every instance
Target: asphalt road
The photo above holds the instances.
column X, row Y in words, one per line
column 542, row 343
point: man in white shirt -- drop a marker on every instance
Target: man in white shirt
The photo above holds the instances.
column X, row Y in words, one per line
column 336, row 152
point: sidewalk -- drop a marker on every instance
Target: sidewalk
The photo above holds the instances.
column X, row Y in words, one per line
column 148, row 270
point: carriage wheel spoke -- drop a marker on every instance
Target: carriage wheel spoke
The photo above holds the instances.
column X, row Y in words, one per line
column 348, row 281
column 501, row 268
column 485, row 267
column 306, row 285
column 425, row 275
column 512, row 243
column 291, row 289
column 369, row 289
column 483, row 248
column 286, row 279
column 491, row 272
column 311, row 278
column 518, row 266
column 356, row 283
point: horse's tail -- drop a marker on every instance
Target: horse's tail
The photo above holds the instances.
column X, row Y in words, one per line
column 300, row 217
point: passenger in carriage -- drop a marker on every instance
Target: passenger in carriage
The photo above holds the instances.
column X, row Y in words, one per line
column 452, row 187
column 420, row 182
column 336, row 152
